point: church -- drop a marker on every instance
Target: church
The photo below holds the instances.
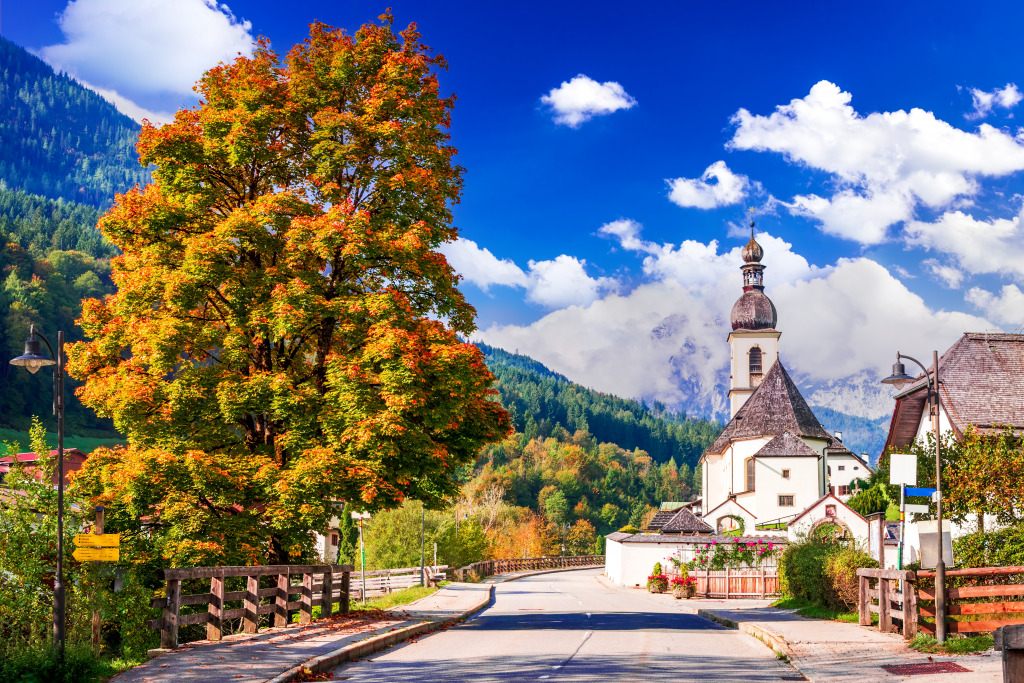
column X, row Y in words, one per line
column 773, row 465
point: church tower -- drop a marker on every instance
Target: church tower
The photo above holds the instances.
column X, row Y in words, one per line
column 754, row 341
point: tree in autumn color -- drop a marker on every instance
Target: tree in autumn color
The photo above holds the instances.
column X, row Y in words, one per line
column 285, row 333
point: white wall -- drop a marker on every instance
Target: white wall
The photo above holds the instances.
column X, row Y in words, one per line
column 858, row 525
column 739, row 364
column 769, row 484
column 844, row 469
column 634, row 561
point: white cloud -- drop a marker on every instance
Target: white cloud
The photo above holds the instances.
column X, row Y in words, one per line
column 1007, row 98
column 583, row 98
column 480, row 266
column 1006, row 308
column 727, row 188
column 978, row 246
column 950, row 276
column 884, row 165
column 146, row 47
column 129, row 108
column 556, row 283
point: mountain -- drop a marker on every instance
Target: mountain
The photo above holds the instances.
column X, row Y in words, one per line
column 59, row 139
column 859, row 434
column 540, row 401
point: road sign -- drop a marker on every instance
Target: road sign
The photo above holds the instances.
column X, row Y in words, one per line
column 96, row 554
column 919, row 492
column 100, row 540
column 917, row 509
column 903, row 469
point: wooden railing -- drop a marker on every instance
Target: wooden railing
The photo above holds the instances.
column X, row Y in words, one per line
column 317, row 585
column 492, row 567
column 384, row 581
column 896, row 596
column 959, row 599
column 736, row 583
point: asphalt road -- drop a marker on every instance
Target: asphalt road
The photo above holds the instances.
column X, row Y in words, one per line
column 569, row 627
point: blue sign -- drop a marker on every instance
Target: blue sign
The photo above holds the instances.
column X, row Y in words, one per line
column 919, row 492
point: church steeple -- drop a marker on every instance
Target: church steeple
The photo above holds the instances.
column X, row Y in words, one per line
column 754, row 340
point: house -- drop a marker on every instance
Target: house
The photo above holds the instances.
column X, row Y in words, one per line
column 981, row 383
column 73, row 461
column 774, row 461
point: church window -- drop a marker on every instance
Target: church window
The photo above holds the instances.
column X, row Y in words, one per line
column 786, row 501
column 748, row 467
column 785, row 474
column 755, row 366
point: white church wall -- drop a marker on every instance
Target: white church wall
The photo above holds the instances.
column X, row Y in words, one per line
column 770, row 484
column 739, row 364
column 857, row 525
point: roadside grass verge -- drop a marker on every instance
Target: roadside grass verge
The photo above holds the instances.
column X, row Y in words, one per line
column 812, row 611
column 395, row 599
column 954, row 645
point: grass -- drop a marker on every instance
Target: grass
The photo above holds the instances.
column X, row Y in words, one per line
column 954, row 645
column 396, row 599
column 86, row 444
column 813, row 611
column 37, row 664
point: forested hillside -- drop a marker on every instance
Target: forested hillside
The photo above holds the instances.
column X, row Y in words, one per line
column 539, row 400
column 60, row 140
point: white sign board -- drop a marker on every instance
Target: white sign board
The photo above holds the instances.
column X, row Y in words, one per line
column 903, row 469
column 927, row 533
column 360, row 515
column 916, row 509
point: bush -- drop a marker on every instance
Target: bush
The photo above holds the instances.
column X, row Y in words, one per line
column 802, row 572
column 629, row 529
column 841, row 567
column 38, row 664
column 1000, row 548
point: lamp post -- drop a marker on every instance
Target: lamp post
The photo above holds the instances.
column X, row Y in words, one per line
column 899, row 378
column 33, row 359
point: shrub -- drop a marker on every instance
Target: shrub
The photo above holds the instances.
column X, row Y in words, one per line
column 658, row 581
column 841, row 567
column 657, row 569
column 629, row 529
column 1000, row 548
column 802, row 572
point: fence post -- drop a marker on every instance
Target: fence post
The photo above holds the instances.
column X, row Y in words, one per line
column 909, row 607
column 327, row 595
column 884, row 616
column 346, row 580
column 863, row 613
column 251, row 620
column 281, row 600
column 215, row 608
column 707, row 583
column 764, row 581
column 726, row 583
column 306, row 606
column 169, row 633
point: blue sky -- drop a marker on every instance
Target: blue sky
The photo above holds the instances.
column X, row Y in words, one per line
column 612, row 156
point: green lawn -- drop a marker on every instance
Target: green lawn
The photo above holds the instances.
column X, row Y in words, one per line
column 812, row 611
column 86, row 444
column 402, row 597
column 955, row 644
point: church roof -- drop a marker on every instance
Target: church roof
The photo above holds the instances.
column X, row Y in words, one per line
column 685, row 522
column 775, row 407
column 786, row 444
column 981, row 383
column 753, row 311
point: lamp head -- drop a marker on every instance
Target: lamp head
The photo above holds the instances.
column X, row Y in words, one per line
column 33, row 358
column 899, row 377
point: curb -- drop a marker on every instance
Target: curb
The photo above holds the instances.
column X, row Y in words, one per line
column 375, row 643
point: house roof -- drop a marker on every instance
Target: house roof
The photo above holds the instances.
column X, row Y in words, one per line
column 726, row 502
column 685, row 522
column 660, row 518
column 837, row 448
column 620, row 537
column 69, row 454
column 775, row 407
column 786, row 444
column 981, row 383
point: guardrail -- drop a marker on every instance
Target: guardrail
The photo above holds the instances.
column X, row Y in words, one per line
column 383, row 581
column 962, row 600
column 492, row 567
column 896, row 596
column 316, row 586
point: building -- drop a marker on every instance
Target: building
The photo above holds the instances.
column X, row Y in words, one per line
column 73, row 460
column 774, row 461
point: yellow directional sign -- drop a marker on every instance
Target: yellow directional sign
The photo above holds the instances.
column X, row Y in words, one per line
column 96, row 554
column 101, row 540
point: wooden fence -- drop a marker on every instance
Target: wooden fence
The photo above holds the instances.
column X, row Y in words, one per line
column 737, row 583
column 384, row 581
column 988, row 599
column 896, row 598
column 316, row 585
column 492, row 567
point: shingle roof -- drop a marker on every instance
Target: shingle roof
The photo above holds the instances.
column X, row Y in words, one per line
column 775, row 407
column 661, row 517
column 787, row 444
column 685, row 522
column 981, row 383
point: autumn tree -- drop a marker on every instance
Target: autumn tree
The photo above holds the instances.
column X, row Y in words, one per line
column 285, row 333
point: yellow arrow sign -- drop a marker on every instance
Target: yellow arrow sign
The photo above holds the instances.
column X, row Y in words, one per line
column 96, row 554
column 101, row 540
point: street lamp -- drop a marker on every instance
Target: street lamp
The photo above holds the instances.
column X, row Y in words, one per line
column 33, row 359
column 899, row 378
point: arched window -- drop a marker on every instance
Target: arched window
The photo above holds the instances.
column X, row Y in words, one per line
column 748, row 467
column 755, row 366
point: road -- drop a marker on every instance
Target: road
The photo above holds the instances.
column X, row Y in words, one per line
column 568, row 627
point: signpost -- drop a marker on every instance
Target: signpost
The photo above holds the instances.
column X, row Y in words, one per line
column 902, row 471
column 97, row 554
column 97, row 547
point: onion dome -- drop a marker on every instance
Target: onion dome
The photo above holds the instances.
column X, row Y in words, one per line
column 753, row 311
column 752, row 253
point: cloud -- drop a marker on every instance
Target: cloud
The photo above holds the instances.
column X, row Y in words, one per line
column 583, row 98
column 1006, row 98
column 1006, row 308
column 950, row 276
column 978, row 246
column 727, row 188
column 146, row 48
column 883, row 165
column 480, row 266
column 556, row 283
column 129, row 108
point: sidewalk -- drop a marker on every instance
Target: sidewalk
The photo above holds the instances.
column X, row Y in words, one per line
column 835, row 651
column 275, row 654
